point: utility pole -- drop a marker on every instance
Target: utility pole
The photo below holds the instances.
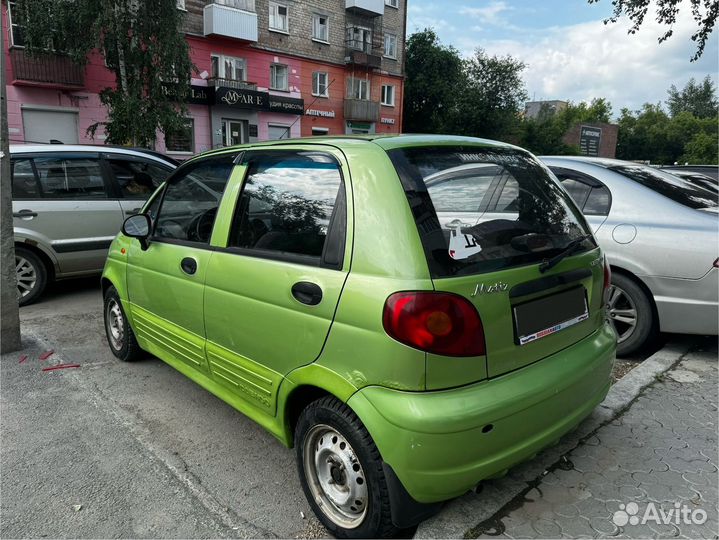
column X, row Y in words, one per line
column 9, row 307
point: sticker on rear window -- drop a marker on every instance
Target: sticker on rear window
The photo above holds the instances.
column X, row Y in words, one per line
column 461, row 245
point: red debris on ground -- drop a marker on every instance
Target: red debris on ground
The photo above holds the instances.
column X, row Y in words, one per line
column 60, row 366
column 22, row 358
column 46, row 354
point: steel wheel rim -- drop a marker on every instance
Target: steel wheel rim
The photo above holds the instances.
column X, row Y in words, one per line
column 26, row 276
column 622, row 313
column 115, row 324
column 335, row 476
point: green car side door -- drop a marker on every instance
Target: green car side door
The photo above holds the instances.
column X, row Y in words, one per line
column 165, row 282
column 282, row 249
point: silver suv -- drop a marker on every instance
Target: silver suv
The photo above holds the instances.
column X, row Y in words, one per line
column 69, row 202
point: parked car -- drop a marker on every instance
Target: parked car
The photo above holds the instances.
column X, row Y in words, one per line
column 69, row 202
column 707, row 170
column 311, row 285
column 698, row 179
column 660, row 235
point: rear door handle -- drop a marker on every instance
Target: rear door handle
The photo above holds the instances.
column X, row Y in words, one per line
column 188, row 265
column 307, row 293
column 24, row 214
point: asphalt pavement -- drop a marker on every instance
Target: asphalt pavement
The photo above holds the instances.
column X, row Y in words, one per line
column 111, row 449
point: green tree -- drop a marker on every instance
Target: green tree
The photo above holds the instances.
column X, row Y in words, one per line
column 434, row 73
column 143, row 45
column 705, row 13
column 491, row 98
column 700, row 99
column 701, row 150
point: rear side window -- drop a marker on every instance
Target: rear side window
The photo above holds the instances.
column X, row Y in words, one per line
column 540, row 218
column 590, row 195
column 24, row 182
column 576, row 189
column 70, row 177
column 191, row 199
column 292, row 207
column 137, row 179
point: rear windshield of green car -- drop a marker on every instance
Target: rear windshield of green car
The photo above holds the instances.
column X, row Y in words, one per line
column 483, row 209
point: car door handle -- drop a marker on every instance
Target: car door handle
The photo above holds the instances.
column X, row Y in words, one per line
column 24, row 214
column 307, row 293
column 188, row 265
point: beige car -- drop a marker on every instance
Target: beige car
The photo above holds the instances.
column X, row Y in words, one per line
column 69, row 202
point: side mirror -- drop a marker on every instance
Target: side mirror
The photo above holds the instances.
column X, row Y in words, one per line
column 138, row 226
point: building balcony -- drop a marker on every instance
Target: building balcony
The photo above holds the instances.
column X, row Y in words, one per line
column 216, row 82
column 51, row 70
column 362, row 58
column 369, row 8
column 361, row 110
column 231, row 18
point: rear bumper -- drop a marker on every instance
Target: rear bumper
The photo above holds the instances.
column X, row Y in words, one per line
column 440, row 443
column 687, row 306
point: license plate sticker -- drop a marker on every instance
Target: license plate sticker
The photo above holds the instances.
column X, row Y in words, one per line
column 548, row 315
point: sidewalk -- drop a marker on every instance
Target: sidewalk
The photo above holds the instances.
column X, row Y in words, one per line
column 660, row 454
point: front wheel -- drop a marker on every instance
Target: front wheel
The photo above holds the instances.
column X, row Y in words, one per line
column 630, row 311
column 341, row 472
column 120, row 336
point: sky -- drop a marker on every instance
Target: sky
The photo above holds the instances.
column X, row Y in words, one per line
column 570, row 53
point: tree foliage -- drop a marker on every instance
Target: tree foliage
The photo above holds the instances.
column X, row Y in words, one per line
column 705, row 13
column 143, row 45
column 700, row 99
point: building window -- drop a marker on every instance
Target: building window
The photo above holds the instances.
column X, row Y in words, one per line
column 388, row 95
column 320, row 84
column 17, row 34
column 320, row 28
column 277, row 132
column 319, row 131
column 181, row 5
column 390, row 46
column 228, row 67
column 183, row 139
column 359, row 38
column 278, row 77
column 357, row 88
column 392, row 3
column 278, row 17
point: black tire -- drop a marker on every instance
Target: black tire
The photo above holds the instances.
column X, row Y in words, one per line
column 631, row 340
column 376, row 521
column 31, row 275
column 122, row 343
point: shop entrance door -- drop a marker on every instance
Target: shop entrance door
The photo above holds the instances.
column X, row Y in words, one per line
column 233, row 132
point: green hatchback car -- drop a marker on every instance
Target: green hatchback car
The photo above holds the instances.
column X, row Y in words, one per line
column 413, row 314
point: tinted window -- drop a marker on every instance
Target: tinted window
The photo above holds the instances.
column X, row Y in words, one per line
column 671, row 186
column 576, row 189
column 598, row 202
column 70, row 177
column 190, row 202
column 461, row 190
column 287, row 204
column 24, row 183
column 544, row 219
column 137, row 179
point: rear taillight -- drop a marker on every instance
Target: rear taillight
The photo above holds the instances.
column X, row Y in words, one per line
column 607, row 281
column 435, row 322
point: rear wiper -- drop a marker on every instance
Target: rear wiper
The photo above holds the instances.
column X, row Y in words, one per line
column 570, row 248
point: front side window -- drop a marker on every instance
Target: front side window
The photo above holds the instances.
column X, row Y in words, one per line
column 357, row 88
column 191, row 199
column 388, row 95
column 278, row 77
column 292, row 205
column 320, row 27
column 181, row 140
column 449, row 190
column 278, row 17
column 70, row 177
column 320, row 84
column 137, row 179
column 390, row 46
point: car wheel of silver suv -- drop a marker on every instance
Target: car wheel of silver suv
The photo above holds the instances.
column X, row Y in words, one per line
column 31, row 275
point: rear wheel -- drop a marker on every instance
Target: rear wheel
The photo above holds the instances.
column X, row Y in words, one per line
column 630, row 311
column 341, row 472
column 31, row 275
